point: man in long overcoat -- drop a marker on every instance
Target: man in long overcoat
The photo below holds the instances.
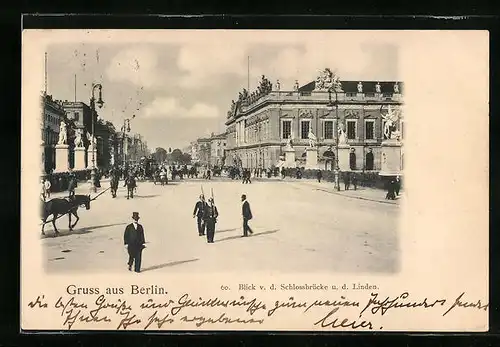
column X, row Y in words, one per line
column 210, row 218
column 199, row 212
column 247, row 215
column 134, row 241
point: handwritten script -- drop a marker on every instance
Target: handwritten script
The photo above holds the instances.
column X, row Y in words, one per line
column 104, row 311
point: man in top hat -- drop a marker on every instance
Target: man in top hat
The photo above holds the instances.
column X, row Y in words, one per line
column 247, row 215
column 199, row 212
column 134, row 241
column 210, row 218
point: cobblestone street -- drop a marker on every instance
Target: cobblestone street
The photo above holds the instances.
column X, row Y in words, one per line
column 299, row 226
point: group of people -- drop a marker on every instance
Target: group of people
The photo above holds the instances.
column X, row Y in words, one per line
column 394, row 186
column 46, row 186
column 206, row 215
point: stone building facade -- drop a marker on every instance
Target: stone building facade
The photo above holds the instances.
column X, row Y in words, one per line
column 52, row 115
column 217, row 149
column 260, row 124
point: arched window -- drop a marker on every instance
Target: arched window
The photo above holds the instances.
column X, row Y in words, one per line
column 352, row 160
column 369, row 160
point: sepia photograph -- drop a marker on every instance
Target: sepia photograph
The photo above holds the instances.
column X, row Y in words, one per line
column 254, row 180
column 213, row 160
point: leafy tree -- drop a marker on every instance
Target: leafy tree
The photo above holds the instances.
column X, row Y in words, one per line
column 176, row 155
column 160, row 154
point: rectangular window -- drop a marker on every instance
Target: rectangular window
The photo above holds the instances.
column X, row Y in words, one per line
column 351, row 129
column 77, row 116
column 402, row 130
column 328, row 130
column 350, row 95
column 304, row 129
column 369, row 129
column 370, row 95
column 286, row 129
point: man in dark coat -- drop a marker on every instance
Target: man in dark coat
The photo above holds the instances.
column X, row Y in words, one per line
column 134, row 241
column 131, row 184
column 72, row 185
column 319, row 175
column 199, row 212
column 210, row 218
column 247, row 215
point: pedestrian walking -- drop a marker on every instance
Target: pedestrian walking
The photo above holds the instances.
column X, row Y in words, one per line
column 199, row 212
column 134, row 242
column 247, row 215
column 391, row 190
column 354, row 181
column 319, row 176
column 42, row 190
column 71, row 186
column 47, row 185
column 347, row 181
column 398, row 185
column 210, row 217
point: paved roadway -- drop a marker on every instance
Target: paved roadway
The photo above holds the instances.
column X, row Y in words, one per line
column 297, row 227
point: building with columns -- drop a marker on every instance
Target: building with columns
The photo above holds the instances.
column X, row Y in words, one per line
column 53, row 114
column 203, row 151
column 217, row 149
column 260, row 124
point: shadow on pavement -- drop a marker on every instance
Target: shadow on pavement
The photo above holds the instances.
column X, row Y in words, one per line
column 146, row 196
column 173, row 263
column 225, row 230
column 252, row 235
column 67, row 232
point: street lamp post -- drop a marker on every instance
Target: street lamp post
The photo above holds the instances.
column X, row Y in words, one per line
column 100, row 103
column 331, row 103
column 125, row 129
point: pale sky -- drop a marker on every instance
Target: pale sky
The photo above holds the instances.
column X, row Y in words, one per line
column 180, row 91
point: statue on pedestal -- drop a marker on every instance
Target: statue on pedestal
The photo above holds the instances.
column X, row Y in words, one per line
column 396, row 88
column 278, row 85
column 360, row 87
column 78, row 138
column 90, row 141
column 63, row 134
column 377, row 88
column 296, row 86
column 342, row 135
column 391, row 118
column 289, row 144
column 312, row 138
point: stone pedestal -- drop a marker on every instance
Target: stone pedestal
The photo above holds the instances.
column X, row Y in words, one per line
column 390, row 158
column 344, row 151
column 311, row 158
column 290, row 158
column 91, row 153
column 62, row 158
column 79, row 158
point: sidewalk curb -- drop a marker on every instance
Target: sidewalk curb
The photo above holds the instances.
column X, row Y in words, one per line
column 359, row 197
column 350, row 196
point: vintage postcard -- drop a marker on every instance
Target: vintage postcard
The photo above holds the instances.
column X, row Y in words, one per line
column 254, row 180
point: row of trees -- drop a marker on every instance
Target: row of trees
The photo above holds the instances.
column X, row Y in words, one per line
column 175, row 156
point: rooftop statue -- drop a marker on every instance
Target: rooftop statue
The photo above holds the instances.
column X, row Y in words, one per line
column 360, row 87
column 328, row 81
